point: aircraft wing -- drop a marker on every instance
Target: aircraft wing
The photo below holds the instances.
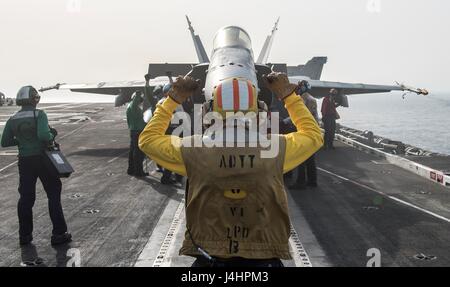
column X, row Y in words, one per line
column 122, row 90
column 111, row 88
column 321, row 89
column 161, row 75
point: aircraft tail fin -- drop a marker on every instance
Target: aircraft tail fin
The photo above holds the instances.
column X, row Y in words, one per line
column 312, row 69
column 265, row 51
column 199, row 49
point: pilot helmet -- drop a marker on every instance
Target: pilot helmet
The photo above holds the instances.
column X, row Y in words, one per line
column 27, row 95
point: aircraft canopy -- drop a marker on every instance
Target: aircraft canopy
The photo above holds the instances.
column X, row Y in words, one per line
column 232, row 36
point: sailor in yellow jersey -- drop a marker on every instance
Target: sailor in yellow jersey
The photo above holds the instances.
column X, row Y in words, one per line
column 236, row 207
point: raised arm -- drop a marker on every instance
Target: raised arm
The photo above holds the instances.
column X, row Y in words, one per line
column 160, row 147
column 153, row 141
column 148, row 95
column 307, row 140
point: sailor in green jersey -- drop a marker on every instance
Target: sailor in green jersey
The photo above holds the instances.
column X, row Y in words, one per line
column 136, row 123
column 29, row 130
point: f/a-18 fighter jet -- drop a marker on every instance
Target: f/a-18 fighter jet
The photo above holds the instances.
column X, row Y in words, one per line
column 232, row 57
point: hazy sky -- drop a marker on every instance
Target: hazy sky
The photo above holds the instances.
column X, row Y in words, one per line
column 48, row 41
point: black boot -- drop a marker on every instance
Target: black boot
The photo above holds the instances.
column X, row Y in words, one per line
column 61, row 239
column 167, row 181
column 167, row 177
column 27, row 239
column 142, row 174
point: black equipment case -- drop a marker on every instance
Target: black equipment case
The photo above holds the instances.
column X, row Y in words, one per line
column 57, row 162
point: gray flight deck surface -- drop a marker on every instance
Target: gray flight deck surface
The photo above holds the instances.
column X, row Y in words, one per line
column 362, row 202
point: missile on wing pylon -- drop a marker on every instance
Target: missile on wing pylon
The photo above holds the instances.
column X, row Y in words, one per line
column 413, row 90
column 55, row 87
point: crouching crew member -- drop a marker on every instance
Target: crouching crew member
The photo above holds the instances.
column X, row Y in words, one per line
column 236, row 206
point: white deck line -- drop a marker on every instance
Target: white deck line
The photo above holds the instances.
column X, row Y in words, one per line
column 386, row 195
column 152, row 249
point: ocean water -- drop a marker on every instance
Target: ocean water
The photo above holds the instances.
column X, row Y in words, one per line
column 422, row 121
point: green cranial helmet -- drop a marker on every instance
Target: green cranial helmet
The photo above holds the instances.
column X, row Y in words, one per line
column 158, row 90
column 27, row 96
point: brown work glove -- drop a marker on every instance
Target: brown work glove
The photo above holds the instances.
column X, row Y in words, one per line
column 279, row 84
column 183, row 88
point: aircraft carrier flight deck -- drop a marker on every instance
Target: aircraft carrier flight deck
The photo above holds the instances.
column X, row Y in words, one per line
column 363, row 202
